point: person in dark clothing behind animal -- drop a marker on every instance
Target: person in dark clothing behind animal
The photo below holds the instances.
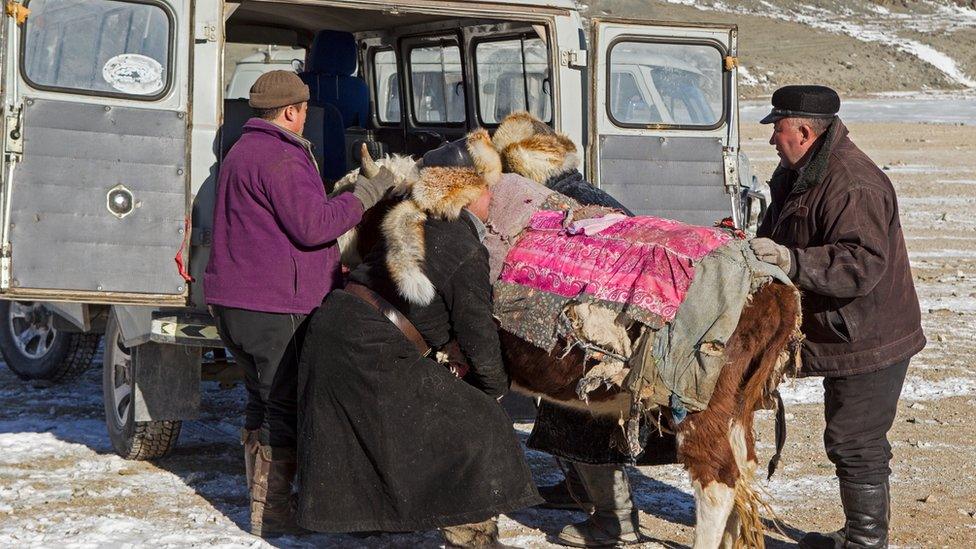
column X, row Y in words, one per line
column 390, row 440
column 833, row 227
column 596, row 477
column 273, row 260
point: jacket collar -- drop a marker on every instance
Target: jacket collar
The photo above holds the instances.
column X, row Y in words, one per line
column 566, row 176
column 815, row 170
column 270, row 128
column 475, row 224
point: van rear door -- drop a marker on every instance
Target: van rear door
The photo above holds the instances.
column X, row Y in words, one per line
column 95, row 187
column 663, row 123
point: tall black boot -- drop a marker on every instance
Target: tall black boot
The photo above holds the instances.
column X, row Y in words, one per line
column 868, row 510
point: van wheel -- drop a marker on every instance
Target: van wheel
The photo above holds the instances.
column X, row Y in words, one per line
column 139, row 440
column 35, row 350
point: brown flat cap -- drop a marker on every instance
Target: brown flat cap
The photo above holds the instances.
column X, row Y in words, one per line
column 277, row 89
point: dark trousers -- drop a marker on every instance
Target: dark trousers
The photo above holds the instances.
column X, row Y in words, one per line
column 266, row 345
column 860, row 410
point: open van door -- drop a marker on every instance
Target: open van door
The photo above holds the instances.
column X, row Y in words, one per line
column 94, row 202
column 663, row 128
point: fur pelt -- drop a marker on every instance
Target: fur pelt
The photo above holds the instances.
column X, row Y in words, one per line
column 477, row 534
column 405, row 174
column 440, row 193
column 532, row 149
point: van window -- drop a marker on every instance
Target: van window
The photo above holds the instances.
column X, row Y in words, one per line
column 386, row 82
column 669, row 84
column 437, row 85
column 513, row 75
column 103, row 47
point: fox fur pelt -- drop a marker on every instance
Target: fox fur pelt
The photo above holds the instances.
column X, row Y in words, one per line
column 439, row 193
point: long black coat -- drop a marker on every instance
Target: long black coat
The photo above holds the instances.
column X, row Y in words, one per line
column 392, row 441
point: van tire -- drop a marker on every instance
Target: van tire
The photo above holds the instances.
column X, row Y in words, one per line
column 53, row 356
column 136, row 440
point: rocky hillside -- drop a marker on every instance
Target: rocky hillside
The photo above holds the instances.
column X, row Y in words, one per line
column 857, row 46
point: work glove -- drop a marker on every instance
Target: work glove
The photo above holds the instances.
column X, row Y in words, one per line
column 370, row 190
column 771, row 252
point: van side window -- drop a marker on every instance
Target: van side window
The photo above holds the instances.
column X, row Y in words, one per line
column 513, row 75
column 101, row 47
column 670, row 84
column 386, row 83
column 437, row 84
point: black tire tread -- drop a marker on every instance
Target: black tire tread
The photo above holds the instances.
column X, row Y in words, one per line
column 78, row 359
column 153, row 439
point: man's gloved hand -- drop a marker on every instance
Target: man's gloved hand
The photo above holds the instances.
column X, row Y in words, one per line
column 369, row 191
column 771, row 252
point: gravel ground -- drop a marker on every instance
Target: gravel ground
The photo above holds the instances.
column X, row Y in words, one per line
column 60, row 484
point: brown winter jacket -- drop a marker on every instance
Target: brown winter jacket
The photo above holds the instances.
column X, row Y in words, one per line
column 840, row 221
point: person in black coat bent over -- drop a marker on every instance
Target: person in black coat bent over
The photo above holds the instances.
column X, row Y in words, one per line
column 390, row 440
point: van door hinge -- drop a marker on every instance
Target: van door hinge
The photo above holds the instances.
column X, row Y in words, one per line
column 730, row 63
column 572, row 58
column 207, row 33
column 5, row 267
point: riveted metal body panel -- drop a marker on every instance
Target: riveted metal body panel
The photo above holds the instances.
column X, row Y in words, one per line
column 63, row 235
column 675, row 177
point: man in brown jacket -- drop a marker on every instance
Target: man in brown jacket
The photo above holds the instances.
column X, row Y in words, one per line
column 833, row 226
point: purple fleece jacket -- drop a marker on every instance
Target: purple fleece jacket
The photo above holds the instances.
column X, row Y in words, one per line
column 274, row 228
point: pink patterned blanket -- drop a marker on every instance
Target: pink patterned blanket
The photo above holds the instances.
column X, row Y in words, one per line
column 646, row 262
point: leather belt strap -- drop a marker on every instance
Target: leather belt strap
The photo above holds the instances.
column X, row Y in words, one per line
column 392, row 314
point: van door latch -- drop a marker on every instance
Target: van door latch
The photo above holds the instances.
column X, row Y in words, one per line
column 14, row 140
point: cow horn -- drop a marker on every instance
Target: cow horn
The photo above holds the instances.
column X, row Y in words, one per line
column 370, row 169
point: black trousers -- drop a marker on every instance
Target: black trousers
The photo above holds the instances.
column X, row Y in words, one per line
column 860, row 410
column 266, row 345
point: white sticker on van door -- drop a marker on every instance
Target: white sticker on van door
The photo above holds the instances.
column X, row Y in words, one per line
column 134, row 74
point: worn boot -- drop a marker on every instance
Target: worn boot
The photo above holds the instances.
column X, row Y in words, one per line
column 867, row 508
column 568, row 494
column 867, row 511
column 614, row 520
column 272, row 511
column 251, row 443
column 477, row 534
column 817, row 540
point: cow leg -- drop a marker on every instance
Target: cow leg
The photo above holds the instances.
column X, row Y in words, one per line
column 713, row 506
column 711, row 465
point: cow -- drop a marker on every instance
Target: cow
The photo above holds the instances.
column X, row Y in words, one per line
column 716, row 445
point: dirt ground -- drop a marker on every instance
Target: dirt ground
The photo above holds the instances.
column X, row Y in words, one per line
column 60, row 484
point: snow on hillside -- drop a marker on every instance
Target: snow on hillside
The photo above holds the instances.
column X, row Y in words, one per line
column 868, row 22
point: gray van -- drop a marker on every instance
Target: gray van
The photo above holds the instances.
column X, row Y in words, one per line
column 115, row 121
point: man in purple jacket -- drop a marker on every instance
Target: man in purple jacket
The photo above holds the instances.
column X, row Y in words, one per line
column 274, row 259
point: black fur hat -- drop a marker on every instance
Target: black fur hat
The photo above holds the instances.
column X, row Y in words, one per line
column 803, row 102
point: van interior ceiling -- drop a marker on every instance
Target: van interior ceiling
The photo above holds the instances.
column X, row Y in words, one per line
column 353, row 64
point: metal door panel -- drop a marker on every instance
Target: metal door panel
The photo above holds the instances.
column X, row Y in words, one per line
column 642, row 172
column 677, row 172
column 62, row 234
